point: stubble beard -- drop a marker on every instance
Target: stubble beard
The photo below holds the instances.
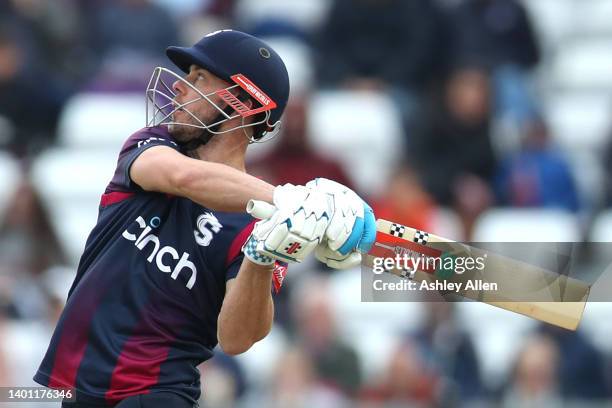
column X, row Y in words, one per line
column 184, row 133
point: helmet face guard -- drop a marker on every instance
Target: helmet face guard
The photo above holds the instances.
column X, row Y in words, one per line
column 162, row 105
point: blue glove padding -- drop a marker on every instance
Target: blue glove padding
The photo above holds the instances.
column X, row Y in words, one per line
column 369, row 230
column 363, row 234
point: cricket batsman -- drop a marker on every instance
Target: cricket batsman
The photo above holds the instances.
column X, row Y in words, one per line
column 174, row 265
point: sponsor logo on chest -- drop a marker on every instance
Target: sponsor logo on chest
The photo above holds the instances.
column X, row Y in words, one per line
column 166, row 257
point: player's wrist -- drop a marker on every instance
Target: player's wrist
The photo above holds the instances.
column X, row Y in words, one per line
column 252, row 254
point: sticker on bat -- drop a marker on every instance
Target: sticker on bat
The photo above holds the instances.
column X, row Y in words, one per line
column 397, row 230
column 421, row 237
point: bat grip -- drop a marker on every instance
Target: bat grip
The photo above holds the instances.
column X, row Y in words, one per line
column 260, row 209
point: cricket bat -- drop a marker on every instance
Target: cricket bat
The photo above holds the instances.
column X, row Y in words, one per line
column 393, row 238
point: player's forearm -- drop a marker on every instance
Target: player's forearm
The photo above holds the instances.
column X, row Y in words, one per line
column 220, row 187
column 247, row 312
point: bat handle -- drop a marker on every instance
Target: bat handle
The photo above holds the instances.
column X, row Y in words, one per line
column 260, row 209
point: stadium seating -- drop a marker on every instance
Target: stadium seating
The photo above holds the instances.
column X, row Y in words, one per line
column 361, row 129
column 262, row 359
column 593, row 17
column 99, row 120
column 497, row 335
column 580, row 120
column 581, row 123
column 446, row 223
column 182, row 8
column 584, row 64
column 298, row 59
column 541, row 230
column 71, row 182
column 373, row 328
column 589, row 176
column 527, row 225
column 305, row 14
column 602, row 227
column 596, row 323
column 553, row 20
column 600, row 242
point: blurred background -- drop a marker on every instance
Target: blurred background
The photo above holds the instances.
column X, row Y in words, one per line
column 483, row 120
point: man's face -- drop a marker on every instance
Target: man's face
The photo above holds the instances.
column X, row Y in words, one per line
column 205, row 82
column 468, row 96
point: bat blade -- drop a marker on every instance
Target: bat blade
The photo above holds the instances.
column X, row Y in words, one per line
column 393, row 238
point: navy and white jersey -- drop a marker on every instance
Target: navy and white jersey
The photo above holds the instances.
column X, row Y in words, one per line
column 142, row 311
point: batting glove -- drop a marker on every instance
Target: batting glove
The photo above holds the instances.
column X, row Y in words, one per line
column 293, row 230
column 352, row 229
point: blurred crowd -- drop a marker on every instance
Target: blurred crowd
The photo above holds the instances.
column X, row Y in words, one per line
column 465, row 78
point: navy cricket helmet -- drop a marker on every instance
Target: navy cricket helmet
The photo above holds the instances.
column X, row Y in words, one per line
column 240, row 58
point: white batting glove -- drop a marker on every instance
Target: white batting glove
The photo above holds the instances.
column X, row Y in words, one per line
column 335, row 259
column 293, row 230
column 352, row 229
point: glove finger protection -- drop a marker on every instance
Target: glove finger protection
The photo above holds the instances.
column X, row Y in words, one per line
column 293, row 230
column 336, row 260
column 353, row 225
